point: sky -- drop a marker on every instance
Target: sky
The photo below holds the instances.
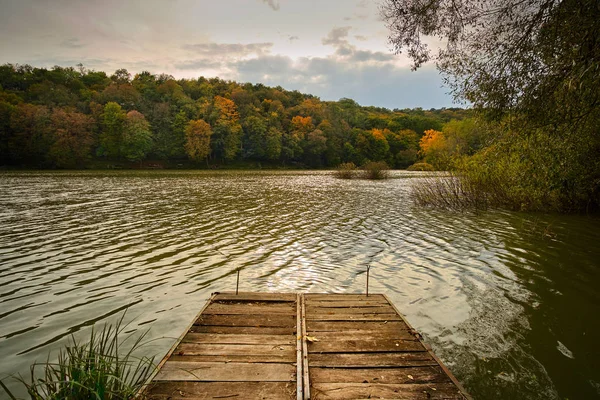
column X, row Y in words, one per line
column 328, row 48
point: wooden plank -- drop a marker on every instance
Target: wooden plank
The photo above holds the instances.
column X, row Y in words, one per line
column 365, row 346
column 239, row 339
column 357, row 334
column 251, row 296
column 251, row 308
column 333, row 326
column 410, row 375
column 305, row 365
column 227, row 358
column 192, row 349
column 358, row 360
column 226, row 372
column 248, row 320
column 251, row 330
column 353, row 317
column 343, row 297
column 346, row 303
column 218, row 390
column 317, row 310
column 299, row 351
column 429, row 391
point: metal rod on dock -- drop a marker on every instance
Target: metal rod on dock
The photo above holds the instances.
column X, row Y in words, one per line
column 368, row 268
column 237, row 282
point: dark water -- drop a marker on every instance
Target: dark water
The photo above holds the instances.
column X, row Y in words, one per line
column 511, row 302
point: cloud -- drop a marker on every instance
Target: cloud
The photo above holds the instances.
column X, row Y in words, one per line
column 292, row 38
column 198, row 64
column 361, row 38
column 229, row 49
column 273, row 4
column 337, row 36
column 72, row 43
column 332, row 77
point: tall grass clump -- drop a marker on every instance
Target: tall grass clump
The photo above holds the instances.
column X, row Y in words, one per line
column 346, row 171
column 104, row 368
column 449, row 191
column 376, row 170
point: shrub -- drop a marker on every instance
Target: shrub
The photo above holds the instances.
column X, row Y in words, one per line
column 97, row 369
column 421, row 166
column 375, row 170
column 451, row 191
column 345, row 171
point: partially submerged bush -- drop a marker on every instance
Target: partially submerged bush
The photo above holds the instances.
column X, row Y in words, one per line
column 345, row 171
column 450, row 191
column 98, row 369
column 376, row 170
column 421, row 166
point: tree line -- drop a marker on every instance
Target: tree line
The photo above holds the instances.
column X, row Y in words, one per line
column 77, row 118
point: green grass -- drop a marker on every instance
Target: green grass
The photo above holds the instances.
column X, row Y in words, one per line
column 103, row 368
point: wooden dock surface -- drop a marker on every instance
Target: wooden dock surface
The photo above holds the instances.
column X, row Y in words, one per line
column 301, row 346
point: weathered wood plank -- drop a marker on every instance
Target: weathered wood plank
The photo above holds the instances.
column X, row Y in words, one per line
column 383, row 309
column 248, row 320
column 251, row 296
column 244, row 358
column 226, row 372
column 365, row 346
column 218, row 390
column 192, row 349
column 238, row 339
column 410, row 375
column 353, row 317
column 357, row 334
column 338, row 297
column 333, row 326
column 429, row 391
column 361, row 360
column 346, row 303
column 251, row 308
column 251, row 330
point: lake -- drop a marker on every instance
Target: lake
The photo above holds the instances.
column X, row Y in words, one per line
column 509, row 301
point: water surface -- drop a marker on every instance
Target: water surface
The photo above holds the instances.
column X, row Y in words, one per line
column 509, row 301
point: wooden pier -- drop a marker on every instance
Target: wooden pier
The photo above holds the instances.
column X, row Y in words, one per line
column 301, row 346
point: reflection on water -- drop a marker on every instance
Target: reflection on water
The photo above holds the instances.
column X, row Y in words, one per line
column 509, row 301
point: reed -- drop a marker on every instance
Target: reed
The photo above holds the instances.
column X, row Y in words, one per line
column 104, row 368
column 345, row 171
column 376, row 170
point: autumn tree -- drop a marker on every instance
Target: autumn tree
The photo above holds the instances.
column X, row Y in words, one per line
column 292, row 142
column 31, row 138
column 227, row 130
column 197, row 145
column 72, row 138
column 372, row 145
column 137, row 137
column 434, row 149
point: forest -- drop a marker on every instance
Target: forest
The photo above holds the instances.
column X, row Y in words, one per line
column 73, row 117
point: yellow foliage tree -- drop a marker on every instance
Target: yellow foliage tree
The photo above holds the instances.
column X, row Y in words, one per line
column 197, row 134
column 434, row 149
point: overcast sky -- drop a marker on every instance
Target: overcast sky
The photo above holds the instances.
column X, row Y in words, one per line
column 329, row 48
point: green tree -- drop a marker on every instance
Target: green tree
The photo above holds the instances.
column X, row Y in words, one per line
column 255, row 130
column 137, row 137
column 111, row 136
